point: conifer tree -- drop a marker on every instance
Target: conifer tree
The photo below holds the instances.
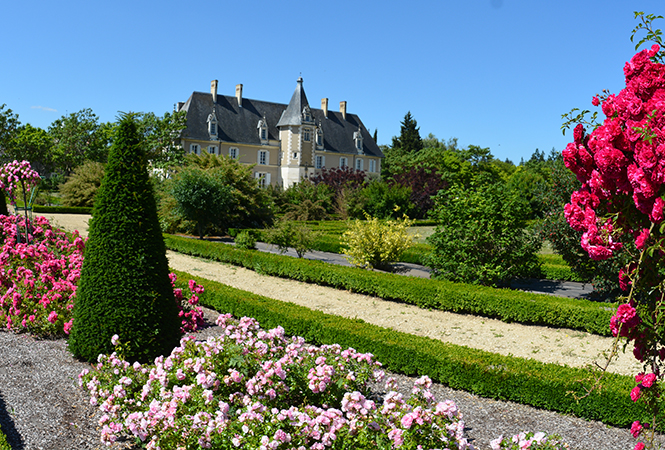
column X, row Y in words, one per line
column 409, row 140
column 124, row 287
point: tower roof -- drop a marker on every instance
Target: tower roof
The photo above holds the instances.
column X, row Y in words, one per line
column 293, row 113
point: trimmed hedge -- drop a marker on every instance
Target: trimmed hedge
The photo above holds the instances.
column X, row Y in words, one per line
column 504, row 304
column 486, row 374
column 4, row 445
column 61, row 209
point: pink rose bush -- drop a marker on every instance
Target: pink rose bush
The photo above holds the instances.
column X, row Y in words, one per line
column 38, row 280
column 621, row 165
column 251, row 388
column 532, row 441
column 17, row 174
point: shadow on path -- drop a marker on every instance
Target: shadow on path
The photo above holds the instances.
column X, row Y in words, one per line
column 14, row 439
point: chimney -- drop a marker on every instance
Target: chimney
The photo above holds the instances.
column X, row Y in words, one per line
column 239, row 94
column 342, row 109
column 324, row 106
column 213, row 90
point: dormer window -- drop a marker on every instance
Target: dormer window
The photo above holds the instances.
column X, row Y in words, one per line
column 306, row 114
column 263, row 130
column 358, row 141
column 212, row 125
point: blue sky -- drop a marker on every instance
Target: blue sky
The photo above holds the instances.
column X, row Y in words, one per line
column 493, row 73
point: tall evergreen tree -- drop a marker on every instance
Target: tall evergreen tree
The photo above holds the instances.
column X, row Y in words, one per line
column 409, row 139
column 124, row 287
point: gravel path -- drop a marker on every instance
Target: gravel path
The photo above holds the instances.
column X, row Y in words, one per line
column 41, row 406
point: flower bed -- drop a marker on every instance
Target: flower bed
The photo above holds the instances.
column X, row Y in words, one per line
column 38, row 280
column 256, row 389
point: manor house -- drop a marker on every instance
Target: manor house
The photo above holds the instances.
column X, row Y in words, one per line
column 285, row 143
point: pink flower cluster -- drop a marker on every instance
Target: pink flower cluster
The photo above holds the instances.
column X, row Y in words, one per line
column 532, row 441
column 191, row 315
column 622, row 162
column 38, row 280
column 252, row 388
column 15, row 174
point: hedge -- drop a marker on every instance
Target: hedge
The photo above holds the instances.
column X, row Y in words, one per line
column 525, row 381
column 504, row 304
column 62, row 209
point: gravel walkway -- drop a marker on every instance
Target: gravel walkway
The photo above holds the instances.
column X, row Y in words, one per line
column 41, row 406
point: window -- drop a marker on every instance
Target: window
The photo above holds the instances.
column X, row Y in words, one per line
column 264, row 134
column 305, row 134
column 233, row 152
column 320, row 161
column 295, row 155
column 212, row 149
column 372, row 165
column 359, row 164
column 319, row 139
column 343, row 162
column 212, row 128
column 263, row 178
column 195, row 148
column 263, row 157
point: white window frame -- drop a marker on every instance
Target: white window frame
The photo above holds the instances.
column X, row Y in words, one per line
column 372, row 165
column 320, row 161
column 264, row 134
column 234, row 152
column 263, row 157
column 212, row 149
column 263, row 179
column 359, row 164
column 195, row 148
column 343, row 162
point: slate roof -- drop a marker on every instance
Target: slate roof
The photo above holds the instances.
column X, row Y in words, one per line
column 239, row 124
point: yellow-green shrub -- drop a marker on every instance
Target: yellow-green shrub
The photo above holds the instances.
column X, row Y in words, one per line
column 374, row 243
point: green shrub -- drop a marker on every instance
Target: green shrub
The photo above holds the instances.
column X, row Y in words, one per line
column 62, row 209
column 288, row 234
column 202, row 197
column 82, row 185
column 124, row 287
column 482, row 236
column 372, row 243
column 379, row 199
column 245, row 240
column 4, row 445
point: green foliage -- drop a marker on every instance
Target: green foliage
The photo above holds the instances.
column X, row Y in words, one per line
column 307, row 201
column 79, row 137
column 288, row 234
column 482, row 237
column 61, row 209
column 4, row 445
column 524, row 381
column 9, row 124
column 252, row 207
column 82, row 185
column 32, row 144
column 124, row 287
column 376, row 244
column 502, row 304
column 202, row 197
column 378, row 199
column 245, row 240
column 161, row 137
column 409, row 140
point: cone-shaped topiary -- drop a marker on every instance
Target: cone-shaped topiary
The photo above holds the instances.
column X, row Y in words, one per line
column 124, row 287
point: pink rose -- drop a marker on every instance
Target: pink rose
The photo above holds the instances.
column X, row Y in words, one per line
column 595, row 101
column 635, row 394
column 53, row 316
column 648, row 380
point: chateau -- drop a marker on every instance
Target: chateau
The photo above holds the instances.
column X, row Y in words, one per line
column 285, row 143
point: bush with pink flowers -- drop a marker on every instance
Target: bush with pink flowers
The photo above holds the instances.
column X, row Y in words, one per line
column 38, row 280
column 620, row 206
column 250, row 388
column 532, row 441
